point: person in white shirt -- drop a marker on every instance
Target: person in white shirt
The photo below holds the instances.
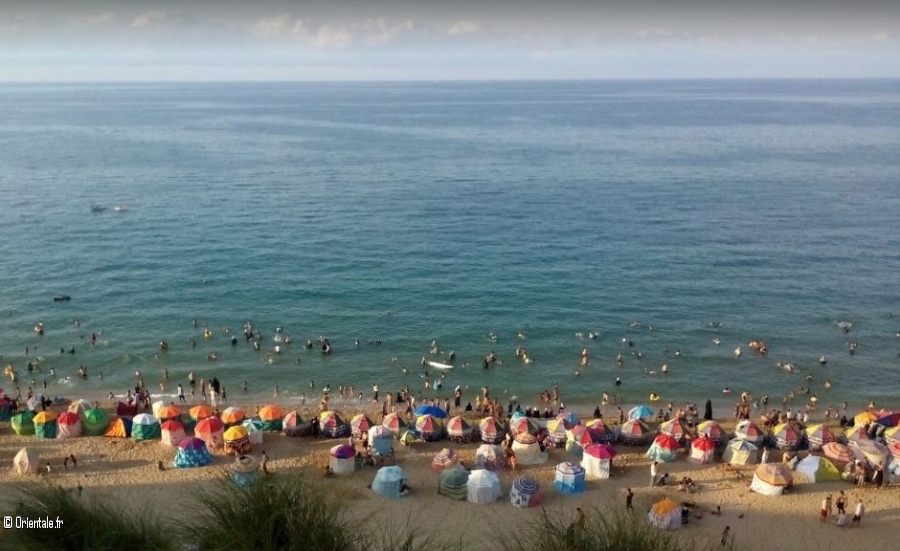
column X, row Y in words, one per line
column 860, row 512
column 653, row 473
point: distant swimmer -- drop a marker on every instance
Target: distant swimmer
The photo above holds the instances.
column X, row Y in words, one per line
column 654, row 397
column 665, row 368
column 726, row 390
column 618, row 381
column 827, row 384
column 592, row 335
column 823, row 360
column 717, row 341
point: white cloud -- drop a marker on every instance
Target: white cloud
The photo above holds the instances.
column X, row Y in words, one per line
column 156, row 18
column 883, row 36
column 331, row 37
column 464, row 27
column 273, row 26
column 379, row 31
column 655, row 32
column 96, row 19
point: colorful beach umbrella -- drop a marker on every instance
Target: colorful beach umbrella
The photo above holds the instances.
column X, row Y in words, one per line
column 492, row 431
column 233, row 415
column 342, row 451
column 642, row 413
column 429, row 427
column 201, row 412
column 856, row 433
column 837, row 452
column 776, row 474
column 889, row 420
column 457, row 426
column 434, row 411
column 569, row 419
column 235, row 433
column 271, row 413
column 167, row 412
column 864, row 418
column 675, row 428
column 712, row 430
column 524, row 424
column 360, row 424
column 818, row 436
column 634, row 432
column 394, row 423
column 747, row 430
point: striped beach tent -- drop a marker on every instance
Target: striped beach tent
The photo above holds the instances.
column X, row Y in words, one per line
column 491, row 430
column 635, row 433
column 747, row 430
column 145, row 427
column 664, row 448
column 429, row 428
column 341, row 459
column 569, row 419
column 381, row 440
column 395, row 423
column 459, row 431
column 453, row 483
column 740, row 452
column 600, row 432
column 641, row 413
column 79, row 407
column 94, row 422
column 569, row 478
column 855, row 433
column 171, row 432
column 713, row 431
column 233, row 415
column 818, row 436
column 556, row 430
column 528, row 450
column 702, row 450
column 676, row 428
column 293, row 425
column 523, row 424
column 770, row 479
column 360, row 424
column 444, row 459
column 525, row 492
column 388, row 480
column 237, row 440
column 873, row 452
column 191, row 452
column 45, row 425
column 333, row 425
column 211, row 430
column 815, row 468
column 786, row 437
column 271, row 418
column 68, row 425
column 483, row 486
column 839, row 454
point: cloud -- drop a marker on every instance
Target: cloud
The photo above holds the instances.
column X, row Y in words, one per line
column 331, row 37
column 883, row 36
column 655, row 32
column 274, row 26
column 156, row 18
column 464, row 27
column 379, row 31
column 96, row 19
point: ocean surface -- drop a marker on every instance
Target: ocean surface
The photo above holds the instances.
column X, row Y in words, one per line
column 665, row 213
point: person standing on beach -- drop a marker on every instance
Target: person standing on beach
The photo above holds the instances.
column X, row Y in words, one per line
column 725, row 533
column 841, row 503
column 629, row 497
column 859, row 513
column 180, row 393
column 653, row 473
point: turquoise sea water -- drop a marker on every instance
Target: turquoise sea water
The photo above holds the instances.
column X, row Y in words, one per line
column 412, row 212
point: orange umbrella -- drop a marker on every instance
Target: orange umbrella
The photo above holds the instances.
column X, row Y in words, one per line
column 167, row 412
column 232, row 415
column 201, row 412
column 271, row 413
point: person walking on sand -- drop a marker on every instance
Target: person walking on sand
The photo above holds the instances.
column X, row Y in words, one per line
column 725, row 533
column 823, row 511
column 841, row 503
column 629, row 497
column 653, row 473
column 859, row 513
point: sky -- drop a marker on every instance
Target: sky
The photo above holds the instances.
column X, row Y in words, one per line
column 281, row 40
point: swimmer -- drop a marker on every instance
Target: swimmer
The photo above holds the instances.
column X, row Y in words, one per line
column 827, row 384
column 665, row 368
column 618, row 381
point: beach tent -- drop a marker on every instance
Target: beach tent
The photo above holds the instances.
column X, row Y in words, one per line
column 522, row 424
column 201, row 411
column 22, row 423
column 453, row 483
column 815, row 468
column 79, row 407
column 855, row 433
column 237, row 440
column 525, row 492
column 740, row 452
column 665, row 514
column 192, row 452
column 167, row 412
column 254, row 430
column 569, row 419
column 490, row 457
column 641, row 413
column 491, row 430
column 664, row 448
column 786, row 437
column 45, row 425
column 119, row 427
column 68, row 425
column 408, row 437
column 444, row 459
column 600, row 432
column 171, row 432
column 569, row 478
column 429, row 428
column 271, row 418
column 381, row 440
column 244, row 471
column 597, row 460
column 839, row 454
column 873, row 452
column 126, row 410
column 293, row 425
column 360, row 424
column 26, row 462
column 211, row 430
column 892, row 435
column 388, row 480
column 713, row 431
column 394, row 423
column 703, row 450
column 232, row 416
column 341, row 459
column 818, row 435
column 527, row 450
column 635, row 433
column 94, row 422
column 459, row 431
column 434, row 411
column 145, row 427
column 770, row 479
column 676, row 428
column 483, row 486
column 333, row 425
column 556, row 430
column 747, row 430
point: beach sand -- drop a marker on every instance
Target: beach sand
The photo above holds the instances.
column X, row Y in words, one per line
column 125, row 471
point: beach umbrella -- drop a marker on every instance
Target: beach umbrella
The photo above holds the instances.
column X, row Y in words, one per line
column 290, row 423
column 333, row 425
column 459, row 430
column 483, row 486
column 740, row 452
column 381, row 440
column 818, row 436
column 712, row 430
column 525, row 492
column 892, row 434
column 453, row 482
column 172, row 432
column 271, row 418
column 702, row 450
column 665, row 514
column 634, row 433
column 45, row 425
column 569, row 419
column 597, row 460
column 524, row 424
column 575, row 448
column 119, row 427
column 491, row 430
column 864, row 418
column 211, row 430
column 145, row 427
column 641, row 413
column 445, row 458
column 675, row 428
column 360, row 424
column 95, row 422
column 786, row 437
column 839, row 453
column 434, row 411
column 889, row 420
column 527, row 450
column 489, row 456
column 856, row 433
column 394, row 423
column 233, row 415
column 747, row 430
column 664, row 448
column 874, row 452
column 201, row 412
column 388, row 480
column 68, row 425
column 167, row 412
column 429, row 428
column 569, row 478
column 408, row 437
column 776, row 474
column 237, row 440
column 556, row 429
column 191, row 452
column 600, row 432
column 79, row 407
column 342, row 459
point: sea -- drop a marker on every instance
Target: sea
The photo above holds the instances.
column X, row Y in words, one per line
column 667, row 221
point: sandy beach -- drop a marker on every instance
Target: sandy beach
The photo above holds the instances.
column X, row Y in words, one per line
column 125, row 471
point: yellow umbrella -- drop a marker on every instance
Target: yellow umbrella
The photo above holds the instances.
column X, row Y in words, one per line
column 864, row 417
column 235, row 433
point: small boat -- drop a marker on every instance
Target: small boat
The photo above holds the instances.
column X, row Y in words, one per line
column 62, row 298
column 439, row 365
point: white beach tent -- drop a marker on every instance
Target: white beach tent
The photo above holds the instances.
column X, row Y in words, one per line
column 770, row 479
column 26, row 462
column 342, row 459
column 254, row 430
column 527, row 450
column 483, row 487
column 596, row 461
column 740, row 452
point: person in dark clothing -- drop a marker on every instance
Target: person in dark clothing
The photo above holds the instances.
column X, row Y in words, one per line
column 315, row 427
column 708, row 414
column 597, row 414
